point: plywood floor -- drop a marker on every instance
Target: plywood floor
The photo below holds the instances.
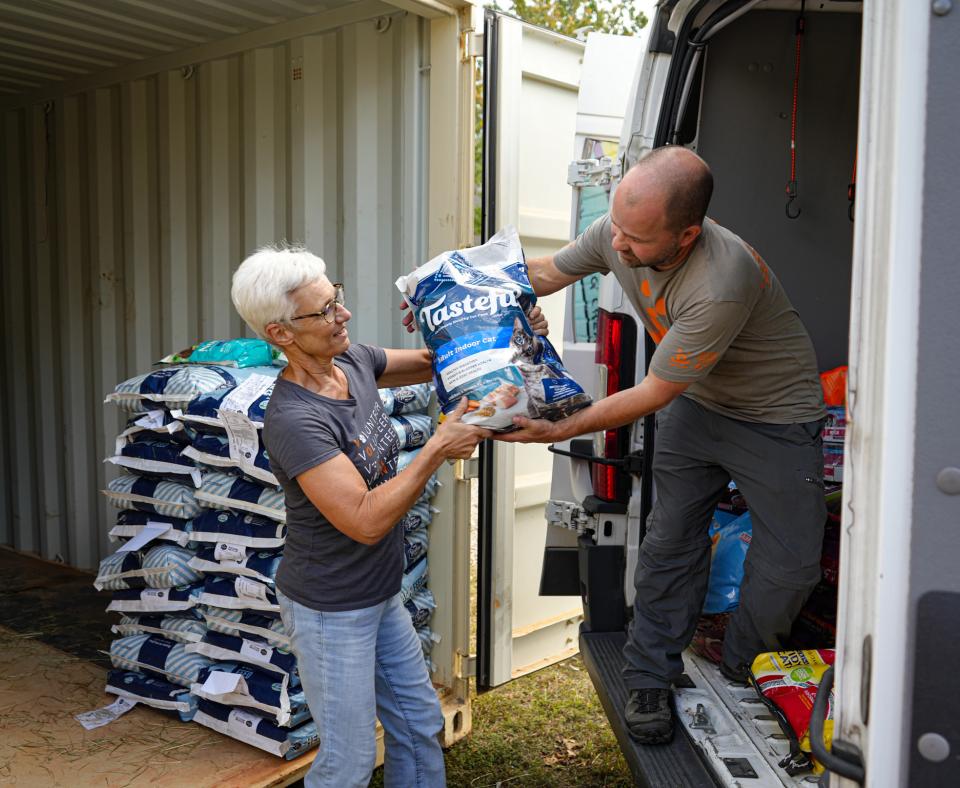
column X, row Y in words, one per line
column 52, row 626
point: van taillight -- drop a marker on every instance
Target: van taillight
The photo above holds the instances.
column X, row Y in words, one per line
column 616, row 350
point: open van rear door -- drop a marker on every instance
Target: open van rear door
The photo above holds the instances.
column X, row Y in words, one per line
column 532, row 82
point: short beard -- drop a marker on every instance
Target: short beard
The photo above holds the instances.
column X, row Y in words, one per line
column 635, row 262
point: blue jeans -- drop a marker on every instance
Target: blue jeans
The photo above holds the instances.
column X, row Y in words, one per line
column 355, row 666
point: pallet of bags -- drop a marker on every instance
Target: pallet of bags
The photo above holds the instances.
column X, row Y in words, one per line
column 408, row 410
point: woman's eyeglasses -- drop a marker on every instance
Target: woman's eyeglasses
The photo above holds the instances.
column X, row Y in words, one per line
column 329, row 311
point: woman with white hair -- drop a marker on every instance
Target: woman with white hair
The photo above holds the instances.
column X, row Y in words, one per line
column 333, row 450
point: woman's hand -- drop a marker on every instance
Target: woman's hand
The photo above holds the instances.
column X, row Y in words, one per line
column 538, row 321
column 456, row 440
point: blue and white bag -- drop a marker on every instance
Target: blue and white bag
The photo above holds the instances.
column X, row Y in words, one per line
column 155, row 456
column 224, row 491
column 420, row 516
column 229, row 648
column 414, row 578
column 213, row 450
column 153, row 692
column 188, row 627
column 158, row 656
column 239, row 593
column 243, row 623
column 155, row 600
column 421, row 606
column 415, row 545
column 172, row 387
column 470, row 305
column 162, row 566
column 249, row 395
column 234, row 684
column 235, row 528
column 413, row 430
column 405, row 399
column 171, row 499
column 130, row 523
column 246, row 726
column 232, row 560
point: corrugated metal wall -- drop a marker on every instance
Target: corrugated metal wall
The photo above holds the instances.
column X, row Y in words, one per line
column 125, row 210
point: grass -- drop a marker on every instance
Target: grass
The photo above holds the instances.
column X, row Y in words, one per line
column 546, row 729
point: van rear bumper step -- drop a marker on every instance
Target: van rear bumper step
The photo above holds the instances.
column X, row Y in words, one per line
column 674, row 764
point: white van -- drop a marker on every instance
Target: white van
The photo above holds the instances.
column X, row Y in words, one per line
column 858, row 235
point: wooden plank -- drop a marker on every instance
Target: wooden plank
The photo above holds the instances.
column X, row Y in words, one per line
column 42, row 688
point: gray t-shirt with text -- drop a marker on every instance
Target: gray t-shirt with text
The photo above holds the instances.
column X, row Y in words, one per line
column 721, row 321
column 322, row 567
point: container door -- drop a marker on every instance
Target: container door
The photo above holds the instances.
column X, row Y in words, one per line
column 532, row 81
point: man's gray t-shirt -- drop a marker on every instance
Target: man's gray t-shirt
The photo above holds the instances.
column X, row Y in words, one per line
column 322, row 567
column 722, row 323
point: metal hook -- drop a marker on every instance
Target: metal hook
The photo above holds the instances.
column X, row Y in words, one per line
column 791, row 196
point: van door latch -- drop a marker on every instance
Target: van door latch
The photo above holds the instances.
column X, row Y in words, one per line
column 592, row 172
column 569, row 515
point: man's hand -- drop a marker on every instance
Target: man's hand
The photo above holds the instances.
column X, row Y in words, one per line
column 538, row 321
column 531, row 431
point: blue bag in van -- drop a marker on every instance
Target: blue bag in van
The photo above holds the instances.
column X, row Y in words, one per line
column 470, row 306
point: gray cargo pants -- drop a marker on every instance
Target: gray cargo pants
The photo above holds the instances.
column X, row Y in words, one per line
column 779, row 470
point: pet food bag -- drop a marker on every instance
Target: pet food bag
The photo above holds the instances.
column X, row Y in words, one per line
column 470, row 305
column 788, row 682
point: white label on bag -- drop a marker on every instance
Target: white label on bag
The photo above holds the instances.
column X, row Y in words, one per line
column 154, row 594
column 152, row 420
column 242, row 436
column 220, row 683
column 106, row 715
column 229, row 552
column 258, row 652
column 243, row 720
column 250, row 589
column 147, row 534
column 245, row 394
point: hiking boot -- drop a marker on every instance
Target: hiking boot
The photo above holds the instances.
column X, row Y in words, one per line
column 708, row 638
column 649, row 715
column 738, row 675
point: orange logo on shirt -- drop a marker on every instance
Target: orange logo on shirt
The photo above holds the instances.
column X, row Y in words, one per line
column 705, row 360
column 680, row 359
column 657, row 331
column 645, row 288
column 764, row 268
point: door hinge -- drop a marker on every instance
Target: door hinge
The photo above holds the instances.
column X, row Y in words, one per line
column 592, row 172
column 471, row 45
column 464, row 470
column 464, row 665
column 569, row 515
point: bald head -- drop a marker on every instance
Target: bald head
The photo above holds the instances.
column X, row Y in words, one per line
column 674, row 177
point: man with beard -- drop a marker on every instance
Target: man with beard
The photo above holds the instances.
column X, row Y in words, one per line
column 735, row 387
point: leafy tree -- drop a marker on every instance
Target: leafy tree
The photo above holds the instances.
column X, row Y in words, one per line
column 570, row 16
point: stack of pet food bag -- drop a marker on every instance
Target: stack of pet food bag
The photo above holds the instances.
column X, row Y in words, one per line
column 201, row 526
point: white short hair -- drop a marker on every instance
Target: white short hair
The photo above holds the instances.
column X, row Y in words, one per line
column 264, row 281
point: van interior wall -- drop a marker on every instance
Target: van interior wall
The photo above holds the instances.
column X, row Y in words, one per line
column 125, row 210
column 744, row 134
